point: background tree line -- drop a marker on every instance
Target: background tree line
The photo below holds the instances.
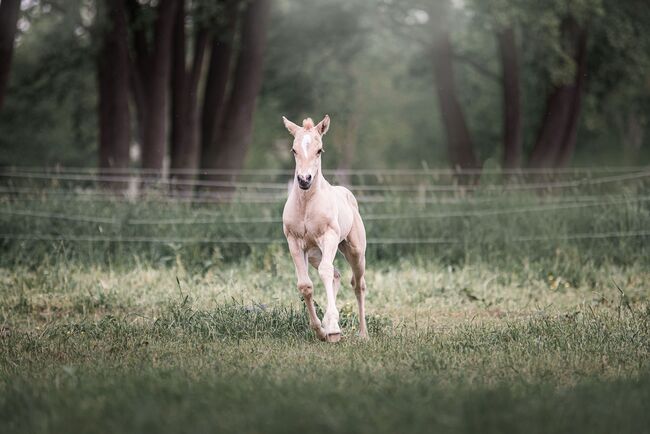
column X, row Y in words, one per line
column 201, row 84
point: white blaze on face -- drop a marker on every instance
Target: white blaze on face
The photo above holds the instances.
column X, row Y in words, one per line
column 306, row 140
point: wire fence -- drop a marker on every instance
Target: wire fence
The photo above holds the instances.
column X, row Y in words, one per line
column 39, row 205
column 280, row 187
column 343, row 172
column 371, row 241
column 190, row 220
column 14, row 194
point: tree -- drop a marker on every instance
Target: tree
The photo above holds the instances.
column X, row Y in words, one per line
column 9, row 10
column 558, row 132
column 459, row 142
column 185, row 144
column 432, row 32
column 510, row 84
column 113, row 88
column 151, row 76
column 218, row 75
column 235, row 130
column 558, row 35
column 49, row 111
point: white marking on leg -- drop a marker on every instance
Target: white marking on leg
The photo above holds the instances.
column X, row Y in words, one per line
column 306, row 140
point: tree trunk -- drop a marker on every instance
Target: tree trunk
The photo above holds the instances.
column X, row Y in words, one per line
column 459, row 142
column 9, row 10
column 558, row 133
column 235, row 132
column 554, row 124
column 193, row 118
column 185, row 123
column 180, row 93
column 156, row 84
column 113, row 86
column 214, row 99
column 512, row 128
column 571, row 133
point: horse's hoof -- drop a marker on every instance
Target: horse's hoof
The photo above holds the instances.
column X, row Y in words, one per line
column 333, row 337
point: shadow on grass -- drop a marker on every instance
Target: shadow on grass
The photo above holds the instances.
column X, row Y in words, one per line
column 175, row 402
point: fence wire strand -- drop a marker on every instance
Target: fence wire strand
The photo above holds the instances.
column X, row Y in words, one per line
column 370, row 217
column 371, row 241
column 279, row 186
column 342, row 172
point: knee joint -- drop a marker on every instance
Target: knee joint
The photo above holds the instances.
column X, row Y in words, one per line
column 306, row 288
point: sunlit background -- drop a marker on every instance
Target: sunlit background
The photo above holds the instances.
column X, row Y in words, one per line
column 407, row 83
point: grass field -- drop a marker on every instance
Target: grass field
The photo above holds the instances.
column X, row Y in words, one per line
column 493, row 333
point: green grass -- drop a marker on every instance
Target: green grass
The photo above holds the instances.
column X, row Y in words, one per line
column 95, row 350
column 505, row 229
column 487, row 335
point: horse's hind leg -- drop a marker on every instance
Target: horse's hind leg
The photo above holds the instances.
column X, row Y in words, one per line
column 357, row 259
column 315, row 256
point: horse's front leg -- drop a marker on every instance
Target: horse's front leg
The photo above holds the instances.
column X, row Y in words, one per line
column 328, row 245
column 305, row 286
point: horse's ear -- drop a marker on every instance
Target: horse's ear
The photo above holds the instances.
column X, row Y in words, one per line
column 290, row 126
column 323, row 125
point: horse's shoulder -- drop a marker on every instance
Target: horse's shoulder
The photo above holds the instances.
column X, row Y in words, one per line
column 347, row 196
column 289, row 213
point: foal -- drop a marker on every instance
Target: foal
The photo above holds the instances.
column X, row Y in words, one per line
column 318, row 218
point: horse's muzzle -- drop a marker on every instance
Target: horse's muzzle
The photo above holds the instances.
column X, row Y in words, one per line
column 304, row 183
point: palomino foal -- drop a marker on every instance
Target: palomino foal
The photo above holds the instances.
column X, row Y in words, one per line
column 318, row 218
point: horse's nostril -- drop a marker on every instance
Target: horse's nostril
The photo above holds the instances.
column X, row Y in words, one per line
column 304, row 179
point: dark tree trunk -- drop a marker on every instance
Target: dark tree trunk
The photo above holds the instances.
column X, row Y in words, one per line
column 554, row 122
column 571, row 133
column 558, row 132
column 459, row 142
column 235, row 131
column 193, row 117
column 138, row 65
column 9, row 10
column 512, row 127
column 153, row 65
column 215, row 99
column 113, row 86
column 180, row 92
column 185, row 123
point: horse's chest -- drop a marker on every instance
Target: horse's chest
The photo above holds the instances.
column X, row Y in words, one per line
column 308, row 226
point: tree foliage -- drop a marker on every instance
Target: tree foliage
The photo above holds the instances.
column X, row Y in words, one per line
column 368, row 65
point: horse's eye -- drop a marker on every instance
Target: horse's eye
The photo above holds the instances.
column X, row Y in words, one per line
column 320, row 151
column 293, row 151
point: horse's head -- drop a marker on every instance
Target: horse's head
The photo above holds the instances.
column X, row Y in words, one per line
column 307, row 148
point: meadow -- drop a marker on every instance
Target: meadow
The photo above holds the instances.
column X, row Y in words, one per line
column 491, row 309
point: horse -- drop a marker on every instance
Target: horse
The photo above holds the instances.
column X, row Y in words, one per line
column 318, row 219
